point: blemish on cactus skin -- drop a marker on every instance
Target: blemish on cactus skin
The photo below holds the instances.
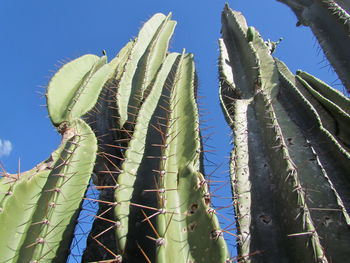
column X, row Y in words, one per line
column 266, row 219
column 193, row 209
column 192, row 226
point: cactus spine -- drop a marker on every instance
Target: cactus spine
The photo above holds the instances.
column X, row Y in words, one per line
column 291, row 158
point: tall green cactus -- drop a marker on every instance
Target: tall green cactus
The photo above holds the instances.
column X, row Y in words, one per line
column 290, row 164
column 40, row 207
column 329, row 20
column 146, row 162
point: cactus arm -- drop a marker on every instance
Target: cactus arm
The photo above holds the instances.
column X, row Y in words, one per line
column 143, row 64
column 157, row 51
column 232, row 107
column 189, row 227
column 49, row 200
column 317, row 116
column 341, row 117
column 276, row 114
column 329, row 93
column 330, row 23
column 134, row 154
column 244, row 166
column 244, row 67
column 74, row 89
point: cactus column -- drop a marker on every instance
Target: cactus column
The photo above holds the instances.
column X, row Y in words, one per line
column 290, row 164
column 329, row 21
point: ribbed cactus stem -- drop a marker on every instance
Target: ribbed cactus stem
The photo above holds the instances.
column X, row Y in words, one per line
column 135, row 153
column 330, row 23
column 288, row 190
column 189, row 229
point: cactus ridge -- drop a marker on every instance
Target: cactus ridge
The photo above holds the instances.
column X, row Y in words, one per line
column 185, row 182
column 337, row 180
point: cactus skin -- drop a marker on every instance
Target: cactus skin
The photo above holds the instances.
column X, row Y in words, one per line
column 289, row 166
column 330, row 22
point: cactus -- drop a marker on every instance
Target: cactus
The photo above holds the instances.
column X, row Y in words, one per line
column 132, row 126
column 39, row 207
column 329, row 21
column 290, row 163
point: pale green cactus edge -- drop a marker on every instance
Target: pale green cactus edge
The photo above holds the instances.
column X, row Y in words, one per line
column 329, row 21
column 290, row 165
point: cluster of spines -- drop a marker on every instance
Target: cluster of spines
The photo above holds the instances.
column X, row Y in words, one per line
column 338, row 11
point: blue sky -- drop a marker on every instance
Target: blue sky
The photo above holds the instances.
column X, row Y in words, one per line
column 38, row 35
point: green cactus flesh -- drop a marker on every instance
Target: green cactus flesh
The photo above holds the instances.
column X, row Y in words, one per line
column 39, row 208
column 290, row 189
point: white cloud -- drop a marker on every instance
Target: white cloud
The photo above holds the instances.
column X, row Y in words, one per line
column 5, row 147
